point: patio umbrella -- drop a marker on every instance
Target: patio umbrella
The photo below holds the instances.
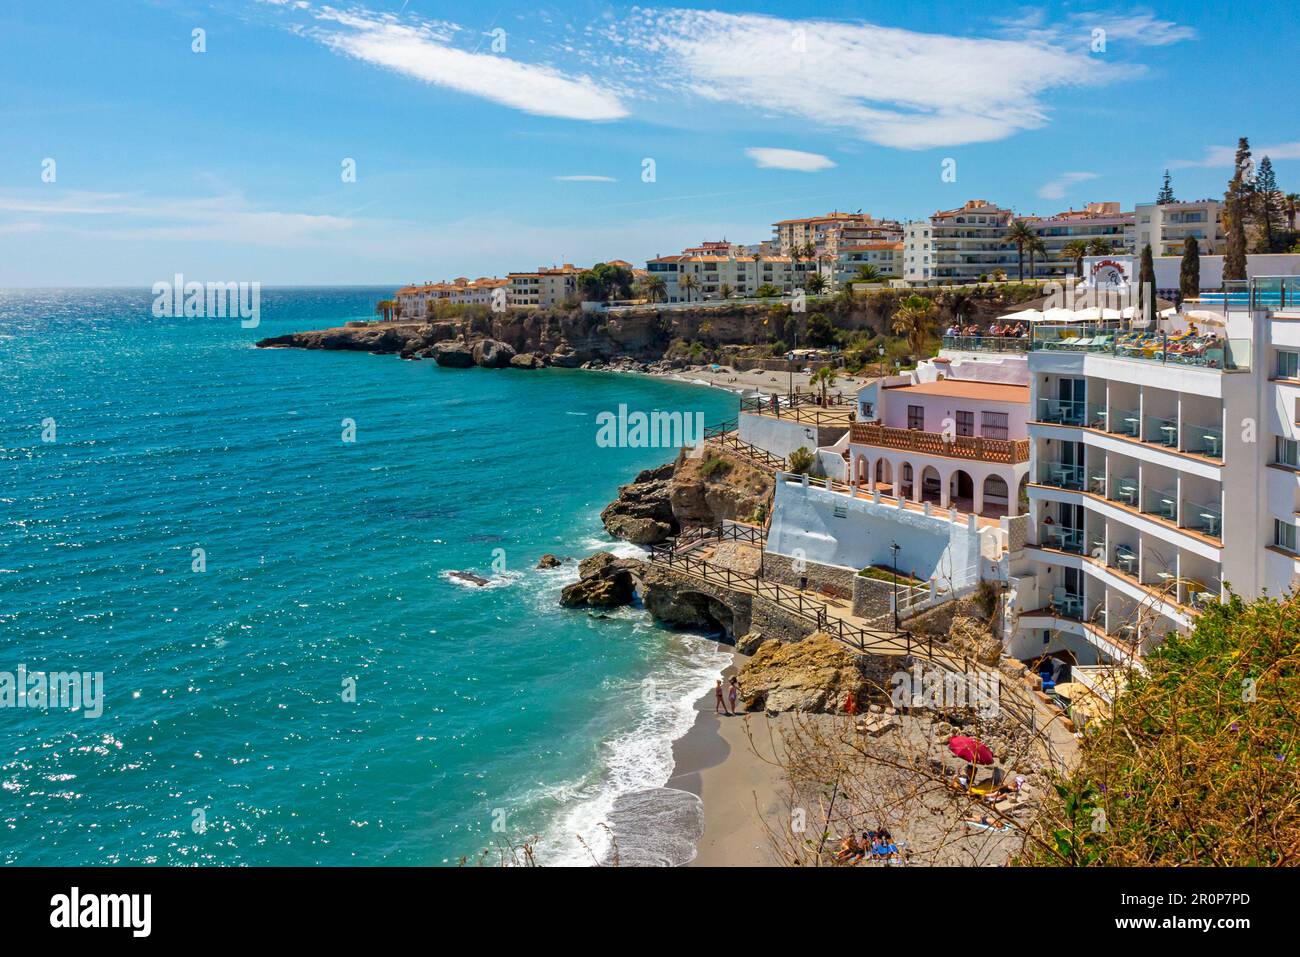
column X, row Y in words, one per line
column 1025, row 315
column 970, row 750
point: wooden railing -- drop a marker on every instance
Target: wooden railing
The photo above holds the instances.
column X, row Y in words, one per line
column 1018, row 708
column 762, row 458
column 802, row 407
column 1004, row 451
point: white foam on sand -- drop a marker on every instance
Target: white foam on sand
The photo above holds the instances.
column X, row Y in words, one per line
column 636, row 761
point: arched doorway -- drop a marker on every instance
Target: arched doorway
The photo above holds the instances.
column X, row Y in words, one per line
column 905, row 480
column 884, row 475
column 961, row 491
column 995, row 496
column 931, row 485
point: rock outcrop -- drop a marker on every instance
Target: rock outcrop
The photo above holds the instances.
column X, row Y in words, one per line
column 815, row 674
column 453, row 353
column 550, row 561
column 604, row 581
column 527, row 360
column 491, row 354
column 643, row 513
column 667, row 601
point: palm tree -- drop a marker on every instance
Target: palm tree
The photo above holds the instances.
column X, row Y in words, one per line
column 1019, row 235
column 383, row 308
column 725, row 290
column 654, row 288
column 1099, row 247
column 816, row 284
column 1035, row 245
column 824, row 260
column 1076, row 249
column 867, row 273
column 688, row 283
column 912, row 319
column 757, row 257
column 822, row 380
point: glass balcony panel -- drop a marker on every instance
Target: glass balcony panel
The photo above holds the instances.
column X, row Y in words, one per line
column 1161, row 503
column 1161, row 431
column 1203, row 440
column 1059, row 475
column 1207, row 519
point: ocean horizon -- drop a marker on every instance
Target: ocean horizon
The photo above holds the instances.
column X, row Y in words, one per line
column 292, row 674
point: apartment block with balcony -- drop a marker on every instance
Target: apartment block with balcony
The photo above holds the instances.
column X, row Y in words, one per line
column 1161, row 476
column 959, row 245
column 1102, row 222
column 741, row 275
column 1167, row 226
column 419, row 301
column 835, row 229
column 546, row 287
column 885, row 257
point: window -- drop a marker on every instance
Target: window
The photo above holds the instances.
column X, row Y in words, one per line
column 867, row 411
column 1284, row 535
column 965, row 423
column 916, row 418
column 1288, row 452
column 1288, row 364
column 993, row 425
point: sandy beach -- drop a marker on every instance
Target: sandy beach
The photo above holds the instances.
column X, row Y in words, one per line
column 735, row 779
column 761, row 380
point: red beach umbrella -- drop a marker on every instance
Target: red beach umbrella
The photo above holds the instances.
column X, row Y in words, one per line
column 970, row 750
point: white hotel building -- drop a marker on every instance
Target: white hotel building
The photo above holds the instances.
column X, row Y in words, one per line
column 1159, row 480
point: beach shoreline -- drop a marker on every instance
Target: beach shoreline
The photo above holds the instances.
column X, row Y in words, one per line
column 727, row 762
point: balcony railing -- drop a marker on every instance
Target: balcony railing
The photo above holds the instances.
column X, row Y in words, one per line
column 1203, row 440
column 1060, row 475
column 1210, row 352
column 1123, row 422
column 1062, row 538
column 1124, row 489
column 1162, row 431
column 1062, row 411
column 1003, row 451
column 1206, row 519
column 1160, row 503
column 987, row 343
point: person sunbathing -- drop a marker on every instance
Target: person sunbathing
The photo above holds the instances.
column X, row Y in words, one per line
column 850, row 850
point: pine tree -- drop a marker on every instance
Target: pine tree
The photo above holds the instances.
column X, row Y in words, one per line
column 1189, row 276
column 1166, row 194
column 1236, row 210
column 1147, row 283
column 1268, row 207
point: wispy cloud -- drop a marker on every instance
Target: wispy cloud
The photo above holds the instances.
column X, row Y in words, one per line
column 423, row 50
column 1057, row 188
column 894, row 87
column 1226, row 156
column 584, row 178
column 769, row 157
column 129, row 216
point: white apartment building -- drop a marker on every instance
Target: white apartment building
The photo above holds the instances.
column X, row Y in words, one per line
column 1166, row 227
column 1096, row 221
column 742, row 275
column 548, row 286
column 1164, row 470
column 959, row 245
column 886, row 257
column 419, row 301
column 828, row 233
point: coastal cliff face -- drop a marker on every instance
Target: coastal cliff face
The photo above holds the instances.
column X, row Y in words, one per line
column 658, row 503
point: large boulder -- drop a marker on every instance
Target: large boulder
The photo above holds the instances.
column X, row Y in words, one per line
column 815, row 675
column 492, row 354
column 527, row 360
column 643, row 513
column 452, row 353
column 604, row 581
column 565, row 358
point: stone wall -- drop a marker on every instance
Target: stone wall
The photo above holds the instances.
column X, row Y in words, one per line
column 781, row 568
column 871, row 597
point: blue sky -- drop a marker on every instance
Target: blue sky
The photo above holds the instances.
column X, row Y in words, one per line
column 493, row 136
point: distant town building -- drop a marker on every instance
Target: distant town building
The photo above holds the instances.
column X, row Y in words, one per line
column 420, row 300
column 1166, row 227
column 543, row 288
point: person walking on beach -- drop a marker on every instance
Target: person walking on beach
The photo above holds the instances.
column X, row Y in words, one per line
column 719, row 705
column 733, row 690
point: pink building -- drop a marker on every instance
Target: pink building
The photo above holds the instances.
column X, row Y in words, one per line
column 953, row 433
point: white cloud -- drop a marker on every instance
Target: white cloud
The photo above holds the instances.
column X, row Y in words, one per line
column 422, row 50
column 1057, row 188
column 584, row 178
column 1226, row 156
column 894, row 87
column 768, row 157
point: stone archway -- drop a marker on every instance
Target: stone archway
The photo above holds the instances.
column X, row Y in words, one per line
column 961, row 491
column 931, row 486
column 995, row 501
column 906, row 481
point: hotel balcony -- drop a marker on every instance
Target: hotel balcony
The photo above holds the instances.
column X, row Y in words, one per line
column 977, row 448
column 1158, row 426
column 986, row 343
column 1207, row 352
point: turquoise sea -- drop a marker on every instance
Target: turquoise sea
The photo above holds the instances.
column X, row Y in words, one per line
column 225, row 736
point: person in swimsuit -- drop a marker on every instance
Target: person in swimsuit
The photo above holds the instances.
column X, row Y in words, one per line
column 719, row 705
column 732, row 691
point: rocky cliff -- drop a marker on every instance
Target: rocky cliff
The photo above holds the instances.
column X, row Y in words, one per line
column 659, row 502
